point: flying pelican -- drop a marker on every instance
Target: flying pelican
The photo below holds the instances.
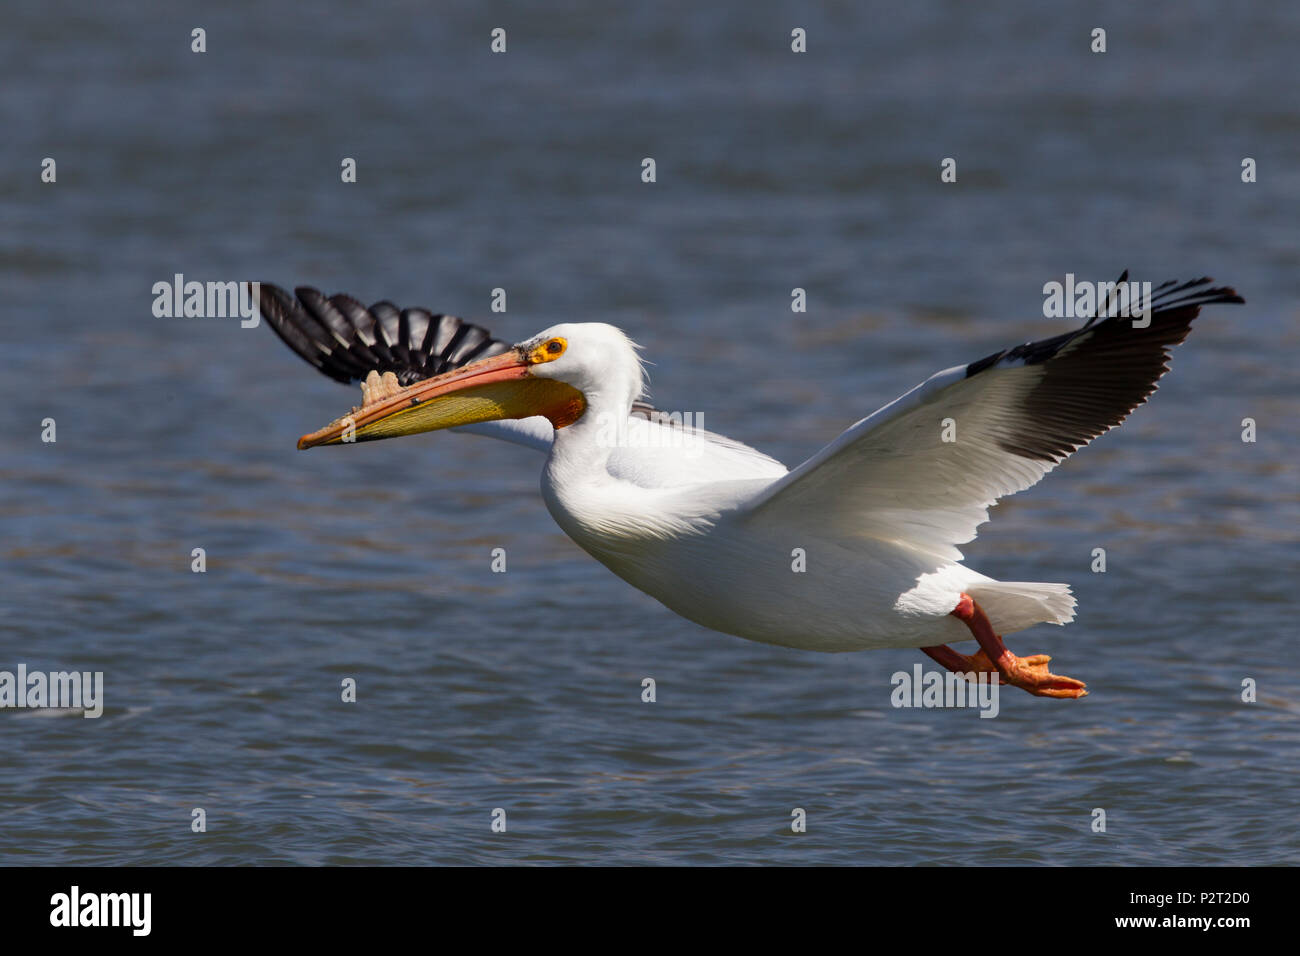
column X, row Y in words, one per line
column 708, row 526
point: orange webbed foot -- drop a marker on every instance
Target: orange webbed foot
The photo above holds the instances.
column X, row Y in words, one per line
column 1031, row 674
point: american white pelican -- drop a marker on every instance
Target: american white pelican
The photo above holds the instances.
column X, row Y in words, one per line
column 709, row 526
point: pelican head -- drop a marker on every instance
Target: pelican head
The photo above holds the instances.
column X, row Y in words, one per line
column 558, row 373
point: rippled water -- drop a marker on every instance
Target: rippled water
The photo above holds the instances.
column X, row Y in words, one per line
column 522, row 690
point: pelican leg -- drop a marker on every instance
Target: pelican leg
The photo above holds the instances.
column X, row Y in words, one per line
column 960, row 663
column 1027, row 673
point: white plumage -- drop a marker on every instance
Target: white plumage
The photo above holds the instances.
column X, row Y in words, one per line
column 710, row 527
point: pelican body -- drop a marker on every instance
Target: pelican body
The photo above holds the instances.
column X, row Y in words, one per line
column 852, row 550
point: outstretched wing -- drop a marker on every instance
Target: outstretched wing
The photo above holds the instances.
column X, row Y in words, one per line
column 1009, row 418
column 346, row 341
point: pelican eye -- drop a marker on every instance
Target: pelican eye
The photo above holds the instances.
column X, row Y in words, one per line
column 548, row 351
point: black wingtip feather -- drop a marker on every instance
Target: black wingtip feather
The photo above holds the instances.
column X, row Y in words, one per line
column 288, row 320
column 1095, row 376
column 344, row 340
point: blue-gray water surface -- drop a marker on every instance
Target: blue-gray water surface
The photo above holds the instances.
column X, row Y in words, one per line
column 522, row 170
